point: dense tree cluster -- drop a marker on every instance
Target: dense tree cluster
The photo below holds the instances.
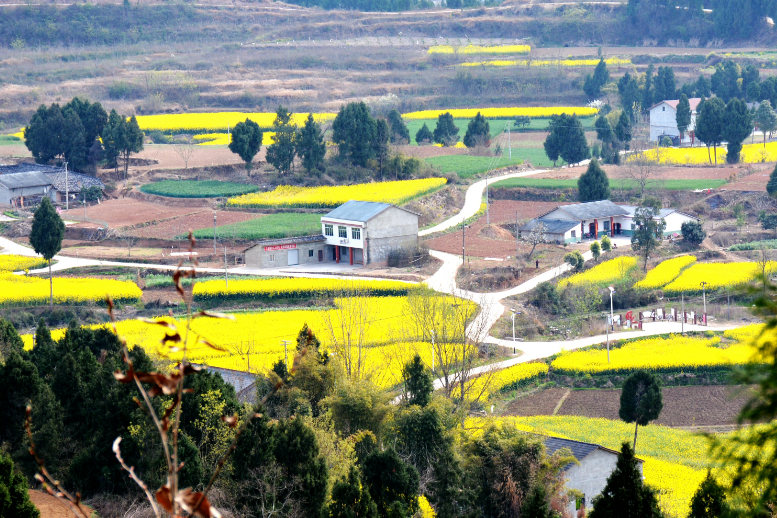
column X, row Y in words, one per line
column 566, row 140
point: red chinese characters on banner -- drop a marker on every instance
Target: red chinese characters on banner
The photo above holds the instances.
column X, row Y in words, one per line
column 279, row 247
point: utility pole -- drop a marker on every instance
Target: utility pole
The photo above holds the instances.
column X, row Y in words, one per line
column 214, row 233
column 67, row 190
column 226, row 278
column 682, row 313
column 463, row 233
column 704, row 298
column 612, row 317
column 488, row 214
column 509, row 145
column 286, row 351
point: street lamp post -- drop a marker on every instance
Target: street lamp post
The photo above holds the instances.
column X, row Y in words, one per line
column 612, row 317
column 704, row 298
column 214, row 232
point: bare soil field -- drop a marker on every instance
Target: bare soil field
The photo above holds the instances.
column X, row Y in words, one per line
column 683, row 406
column 484, row 240
column 170, row 228
column 660, row 173
column 126, row 212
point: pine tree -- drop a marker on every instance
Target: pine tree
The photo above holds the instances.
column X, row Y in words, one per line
column 424, row 135
column 446, row 132
column 46, row 236
column 111, row 135
column 604, row 130
column 418, row 381
column 593, row 84
column 350, row 499
column 14, row 500
column 737, row 126
column 623, row 129
column 311, row 146
column 354, row 131
column 566, row 139
column 683, row 116
column 593, row 185
column 537, row 506
column 393, row 483
column 641, row 400
column 478, row 132
column 625, row 495
column 131, row 143
column 709, row 501
column 381, row 145
column 245, row 141
column 647, row 89
column 281, row 153
column 399, row 132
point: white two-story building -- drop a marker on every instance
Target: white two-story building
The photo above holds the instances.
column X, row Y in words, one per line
column 663, row 120
column 356, row 232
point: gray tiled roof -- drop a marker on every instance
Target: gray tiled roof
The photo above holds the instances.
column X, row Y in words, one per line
column 357, row 210
column 26, row 167
column 552, row 226
column 22, row 180
column 75, row 181
column 594, row 210
column 580, row 450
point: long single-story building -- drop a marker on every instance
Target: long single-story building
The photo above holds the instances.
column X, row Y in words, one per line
column 24, row 184
column 359, row 232
column 576, row 222
column 595, row 465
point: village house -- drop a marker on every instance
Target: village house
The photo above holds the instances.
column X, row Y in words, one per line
column 663, row 121
column 589, row 476
column 577, row 222
column 23, row 185
column 356, row 233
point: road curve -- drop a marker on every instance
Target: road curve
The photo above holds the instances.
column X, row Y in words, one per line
column 472, row 201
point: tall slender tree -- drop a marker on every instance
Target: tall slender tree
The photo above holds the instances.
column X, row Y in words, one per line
column 593, row 185
column 399, row 132
column 737, row 126
column 281, row 153
column 310, row 145
column 46, row 236
column 683, row 116
column 380, row 144
column 641, row 400
column 709, row 124
column 765, row 118
column 354, row 130
column 446, row 132
column 131, row 143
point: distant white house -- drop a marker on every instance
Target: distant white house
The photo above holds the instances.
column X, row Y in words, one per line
column 663, row 120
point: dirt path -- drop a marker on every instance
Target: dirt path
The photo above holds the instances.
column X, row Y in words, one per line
column 50, row 506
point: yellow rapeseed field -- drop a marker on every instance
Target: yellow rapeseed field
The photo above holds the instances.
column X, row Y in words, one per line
column 397, row 192
column 16, row 263
column 293, row 287
column 546, row 63
column 716, row 275
column 223, row 139
column 20, row 290
column 504, row 113
column 665, row 272
column 750, row 154
column 604, row 273
column 480, row 49
column 675, row 460
column 507, row 379
column 676, row 353
column 217, row 122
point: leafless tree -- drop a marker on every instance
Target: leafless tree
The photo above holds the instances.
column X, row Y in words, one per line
column 640, row 170
column 347, row 325
column 184, row 146
column 536, row 237
column 129, row 241
column 763, row 267
column 264, row 487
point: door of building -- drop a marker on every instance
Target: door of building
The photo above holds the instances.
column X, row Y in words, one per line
column 320, row 256
column 293, row 257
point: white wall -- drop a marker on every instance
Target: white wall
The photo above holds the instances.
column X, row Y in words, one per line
column 590, row 476
column 663, row 121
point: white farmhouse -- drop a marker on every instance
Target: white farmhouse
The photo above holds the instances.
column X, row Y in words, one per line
column 663, row 120
column 595, row 465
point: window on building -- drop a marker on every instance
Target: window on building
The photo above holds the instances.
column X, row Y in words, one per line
column 310, row 253
column 606, row 225
column 356, row 233
column 342, row 232
column 272, row 258
column 574, row 233
column 663, row 108
column 329, row 230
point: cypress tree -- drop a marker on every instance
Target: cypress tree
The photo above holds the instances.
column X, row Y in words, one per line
column 354, row 131
column 281, row 153
column 14, row 500
column 593, row 185
column 737, row 126
column 350, row 499
column 380, row 144
column 771, row 185
column 478, row 132
column 399, row 132
column 310, row 145
column 604, row 130
column 683, row 116
column 709, row 501
column 418, row 382
column 46, row 235
column 424, row 135
column 623, row 129
column 709, row 124
column 625, row 495
column 446, row 132
column 641, row 399
column 393, row 483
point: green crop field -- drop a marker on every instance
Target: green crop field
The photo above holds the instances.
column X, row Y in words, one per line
column 279, row 225
column 468, row 165
column 197, row 188
column 496, row 126
column 668, row 185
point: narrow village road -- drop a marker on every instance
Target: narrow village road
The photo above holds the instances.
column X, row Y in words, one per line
column 472, row 201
